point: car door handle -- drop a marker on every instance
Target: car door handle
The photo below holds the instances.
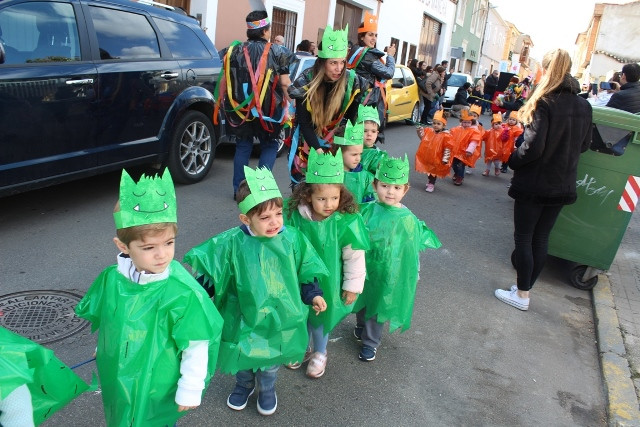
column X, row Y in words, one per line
column 169, row 75
column 80, row 82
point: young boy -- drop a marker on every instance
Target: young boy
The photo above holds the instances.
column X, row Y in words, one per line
column 393, row 262
column 356, row 178
column 159, row 331
column 466, row 139
column 371, row 155
column 493, row 139
column 433, row 156
column 258, row 273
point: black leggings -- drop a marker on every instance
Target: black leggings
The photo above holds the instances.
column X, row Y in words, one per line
column 425, row 113
column 532, row 224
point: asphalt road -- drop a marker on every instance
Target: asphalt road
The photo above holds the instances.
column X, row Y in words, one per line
column 468, row 359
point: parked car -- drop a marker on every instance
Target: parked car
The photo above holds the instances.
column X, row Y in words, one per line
column 90, row 86
column 455, row 82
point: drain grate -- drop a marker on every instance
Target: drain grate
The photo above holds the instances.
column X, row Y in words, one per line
column 42, row 316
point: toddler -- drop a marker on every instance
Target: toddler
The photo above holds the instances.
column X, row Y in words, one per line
column 357, row 180
column 494, row 139
column 466, row 139
column 434, row 153
column 371, row 155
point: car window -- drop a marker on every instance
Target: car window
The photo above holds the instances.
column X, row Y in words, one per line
column 39, row 32
column 398, row 77
column 124, row 35
column 182, row 41
column 457, row 80
column 408, row 75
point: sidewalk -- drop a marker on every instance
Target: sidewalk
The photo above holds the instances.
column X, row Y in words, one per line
column 616, row 301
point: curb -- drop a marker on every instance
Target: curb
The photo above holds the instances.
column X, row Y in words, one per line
column 622, row 402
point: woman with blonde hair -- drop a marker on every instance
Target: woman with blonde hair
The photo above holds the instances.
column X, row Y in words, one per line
column 557, row 129
column 326, row 96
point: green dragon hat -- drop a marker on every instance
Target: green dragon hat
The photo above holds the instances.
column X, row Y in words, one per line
column 393, row 170
column 353, row 135
column 262, row 185
column 334, row 43
column 151, row 200
column 368, row 113
column 325, row 168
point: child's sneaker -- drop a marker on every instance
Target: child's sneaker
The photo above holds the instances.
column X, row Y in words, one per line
column 497, row 172
column 511, row 297
column 305, row 359
column 239, row 397
column 457, row 180
column 267, row 401
column 357, row 332
column 367, row 354
column 486, row 172
column 430, row 188
column 317, row 365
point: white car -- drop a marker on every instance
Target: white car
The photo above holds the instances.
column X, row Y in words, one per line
column 456, row 81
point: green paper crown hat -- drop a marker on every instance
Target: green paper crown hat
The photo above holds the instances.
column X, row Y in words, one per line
column 368, row 113
column 325, row 168
column 262, row 185
column 353, row 135
column 334, row 43
column 393, row 170
column 151, row 200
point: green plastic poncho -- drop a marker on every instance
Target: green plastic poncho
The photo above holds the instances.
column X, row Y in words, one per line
column 257, row 290
column 371, row 158
column 328, row 237
column 361, row 185
column 143, row 330
column 51, row 383
column 397, row 237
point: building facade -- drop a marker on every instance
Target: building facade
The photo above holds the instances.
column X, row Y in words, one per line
column 495, row 38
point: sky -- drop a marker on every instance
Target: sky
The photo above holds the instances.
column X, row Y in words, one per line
column 551, row 24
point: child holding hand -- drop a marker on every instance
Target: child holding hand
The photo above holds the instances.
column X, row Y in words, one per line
column 325, row 212
column 260, row 273
column 393, row 262
column 494, row 139
column 434, row 153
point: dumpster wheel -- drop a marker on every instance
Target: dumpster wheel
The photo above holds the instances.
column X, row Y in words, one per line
column 577, row 278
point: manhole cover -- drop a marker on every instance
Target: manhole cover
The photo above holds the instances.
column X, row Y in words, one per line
column 42, row 316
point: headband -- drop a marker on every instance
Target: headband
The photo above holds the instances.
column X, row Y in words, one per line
column 253, row 25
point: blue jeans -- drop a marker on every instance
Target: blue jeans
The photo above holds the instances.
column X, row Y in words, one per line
column 319, row 338
column 486, row 105
column 458, row 168
column 266, row 379
column 268, row 152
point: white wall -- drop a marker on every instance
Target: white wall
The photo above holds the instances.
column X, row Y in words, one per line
column 209, row 11
column 495, row 36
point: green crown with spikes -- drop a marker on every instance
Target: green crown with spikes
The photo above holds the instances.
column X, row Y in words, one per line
column 151, row 200
column 368, row 113
column 263, row 187
column 325, row 168
column 393, row 170
column 334, row 43
column 353, row 135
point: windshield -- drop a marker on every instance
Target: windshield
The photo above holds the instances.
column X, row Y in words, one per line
column 456, row 80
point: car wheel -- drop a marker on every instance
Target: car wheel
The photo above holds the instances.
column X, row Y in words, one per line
column 282, row 147
column 415, row 115
column 192, row 148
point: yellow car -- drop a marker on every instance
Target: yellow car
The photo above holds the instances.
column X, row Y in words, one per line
column 403, row 97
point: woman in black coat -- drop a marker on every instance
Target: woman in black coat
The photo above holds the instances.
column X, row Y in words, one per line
column 557, row 129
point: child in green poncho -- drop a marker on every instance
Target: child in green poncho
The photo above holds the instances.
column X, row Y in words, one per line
column 357, row 180
column 371, row 154
column 260, row 274
column 325, row 212
column 158, row 330
column 397, row 236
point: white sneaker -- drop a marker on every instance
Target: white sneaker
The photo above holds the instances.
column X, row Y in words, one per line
column 511, row 297
column 430, row 188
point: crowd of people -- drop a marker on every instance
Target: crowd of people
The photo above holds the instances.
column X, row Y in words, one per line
column 270, row 291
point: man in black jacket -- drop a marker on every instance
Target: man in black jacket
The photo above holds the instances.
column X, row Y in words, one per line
column 628, row 98
column 490, row 87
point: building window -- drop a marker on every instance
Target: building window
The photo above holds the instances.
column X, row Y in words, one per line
column 429, row 40
column 284, row 24
column 462, row 8
column 347, row 14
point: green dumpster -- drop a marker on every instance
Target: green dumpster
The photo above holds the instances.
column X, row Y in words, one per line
column 589, row 231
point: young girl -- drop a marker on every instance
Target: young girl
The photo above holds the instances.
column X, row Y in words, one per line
column 397, row 238
column 371, row 154
column 509, row 144
column 434, row 153
column 357, row 180
column 493, row 140
column 466, row 138
column 326, row 213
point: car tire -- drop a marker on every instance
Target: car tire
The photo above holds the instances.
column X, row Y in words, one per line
column 415, row 115
column 282, row 147
column 192, row 148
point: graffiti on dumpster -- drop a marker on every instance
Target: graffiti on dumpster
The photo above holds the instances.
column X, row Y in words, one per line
column 590, row 186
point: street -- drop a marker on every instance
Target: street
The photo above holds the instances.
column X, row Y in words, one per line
column 468, row 359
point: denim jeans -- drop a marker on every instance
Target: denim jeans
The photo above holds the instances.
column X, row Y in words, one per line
column 244, row 146
column 458, row 168
column 532, row 226
column 266, row 379
column 319, row 338
column 426, row 112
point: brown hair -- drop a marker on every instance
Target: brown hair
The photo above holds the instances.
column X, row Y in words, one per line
column 324, row 105
column 376, row 181
column 302, row 192
column 244, row 191
column 139, row 232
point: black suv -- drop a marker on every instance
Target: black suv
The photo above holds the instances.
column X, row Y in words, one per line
column 89, row 86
